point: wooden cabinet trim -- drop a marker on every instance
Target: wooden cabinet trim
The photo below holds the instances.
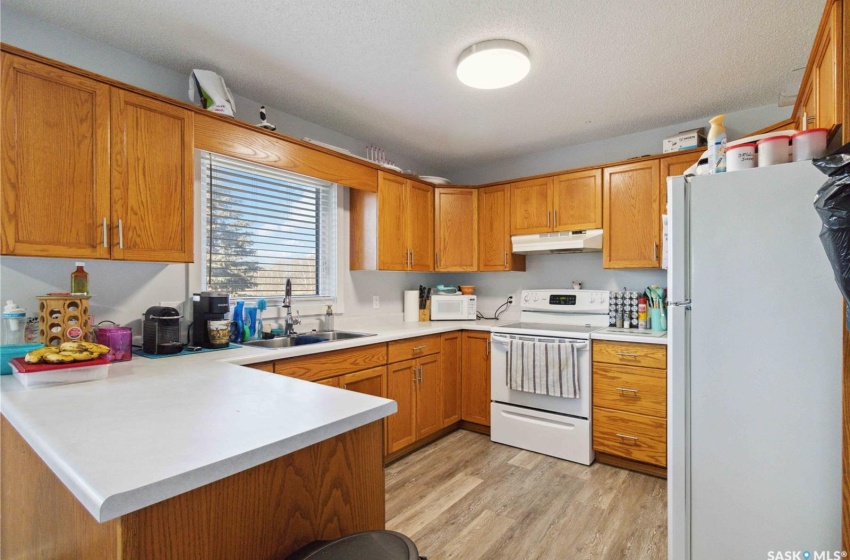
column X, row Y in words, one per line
column 411, row 348
column 314, row 367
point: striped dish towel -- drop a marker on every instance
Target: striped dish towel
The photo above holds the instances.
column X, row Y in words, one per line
column 544, row 368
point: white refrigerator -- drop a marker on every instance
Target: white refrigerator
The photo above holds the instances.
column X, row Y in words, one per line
column 754, row 368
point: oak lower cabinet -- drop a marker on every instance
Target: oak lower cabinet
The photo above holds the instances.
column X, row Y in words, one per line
column 92, row 171
column 475, row 390
column 369, row 382
column 392, row 229
column 451, row 356
column 631, row 209
column 456, row 229
column 414, row 385
column 630, row 405
column 495, row 252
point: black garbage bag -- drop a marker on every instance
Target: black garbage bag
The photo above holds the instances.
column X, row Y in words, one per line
column 832, row 204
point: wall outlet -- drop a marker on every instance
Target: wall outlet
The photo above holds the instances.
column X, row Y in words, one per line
column 376, row 302
column 510, row 300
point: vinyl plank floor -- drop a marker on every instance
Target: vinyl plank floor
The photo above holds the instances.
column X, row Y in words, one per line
column 464, row 497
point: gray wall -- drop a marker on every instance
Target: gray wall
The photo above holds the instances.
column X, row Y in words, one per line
column 124, row 290
column 738, row 124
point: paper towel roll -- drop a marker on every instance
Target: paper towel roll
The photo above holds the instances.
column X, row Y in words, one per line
column 411, row 306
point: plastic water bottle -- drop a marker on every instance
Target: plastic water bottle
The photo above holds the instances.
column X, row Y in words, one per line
column 14, row 323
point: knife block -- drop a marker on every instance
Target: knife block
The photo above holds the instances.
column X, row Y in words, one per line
column 425, row 314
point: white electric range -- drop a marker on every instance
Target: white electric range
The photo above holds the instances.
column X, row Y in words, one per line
column 556, row 426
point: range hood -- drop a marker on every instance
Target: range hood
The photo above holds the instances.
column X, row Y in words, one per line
column 558, row 243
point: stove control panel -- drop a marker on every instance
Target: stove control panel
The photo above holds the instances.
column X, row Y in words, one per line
column 569, row 301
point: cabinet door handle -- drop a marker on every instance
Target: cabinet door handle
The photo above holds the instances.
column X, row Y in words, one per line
column 120, row 234
column 104, row 233
column 506, row 259
column 437, row 259
column 630, row 438
column 488, row 348
column 556, row 217
column 419, row 348
column 630, row 391
column 548, row 216
column 655, row 251
column 626, row 355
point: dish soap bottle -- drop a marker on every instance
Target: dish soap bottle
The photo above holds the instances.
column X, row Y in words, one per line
column 329, row 319
column 80, row 280
column 717, row 146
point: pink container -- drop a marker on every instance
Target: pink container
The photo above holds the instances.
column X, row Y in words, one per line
column 809, row 144
column 119, row 340
column 774, row 150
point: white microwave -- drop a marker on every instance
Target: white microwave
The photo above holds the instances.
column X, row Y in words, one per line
column 452, row 308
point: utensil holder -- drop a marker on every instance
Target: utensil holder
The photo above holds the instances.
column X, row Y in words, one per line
column 657, row 319
column 425, row 314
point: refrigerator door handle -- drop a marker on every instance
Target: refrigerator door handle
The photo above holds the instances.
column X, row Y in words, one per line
column 686, row 304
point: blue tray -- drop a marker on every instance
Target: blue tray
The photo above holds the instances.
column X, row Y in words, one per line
column 9, row 351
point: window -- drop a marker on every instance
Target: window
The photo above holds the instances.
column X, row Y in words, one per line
column 264, row 225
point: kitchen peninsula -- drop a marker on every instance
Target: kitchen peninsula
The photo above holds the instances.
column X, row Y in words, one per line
column 187, row 458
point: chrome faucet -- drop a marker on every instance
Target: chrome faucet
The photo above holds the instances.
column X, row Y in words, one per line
column 289, row 322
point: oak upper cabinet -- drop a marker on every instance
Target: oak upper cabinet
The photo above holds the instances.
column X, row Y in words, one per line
column 578, row 201
column 820, row 97
column 475, row 389
column 671, row 166
column 631, row 209
column 393, row 250
column 55, row 159
column 456, row 229
column 494, row 231
column 92, row 171
column 451, row 345
column 531, row 206
column 393, row 229
column 152, row 184
column 420, row 226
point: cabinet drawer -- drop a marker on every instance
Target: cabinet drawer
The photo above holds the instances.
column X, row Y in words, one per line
column 630, row 353
column 330, row 364
column 410, row 348
column 633, row 436
column 630, row 389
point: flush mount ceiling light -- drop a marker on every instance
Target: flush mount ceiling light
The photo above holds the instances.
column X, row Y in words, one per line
column 493, row 64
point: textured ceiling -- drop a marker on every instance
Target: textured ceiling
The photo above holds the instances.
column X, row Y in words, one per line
column 383, row 71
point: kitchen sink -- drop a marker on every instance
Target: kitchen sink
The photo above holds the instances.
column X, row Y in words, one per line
column 307, row 338
column 339, row 335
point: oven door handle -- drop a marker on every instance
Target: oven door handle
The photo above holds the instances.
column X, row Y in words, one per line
column 503, row 340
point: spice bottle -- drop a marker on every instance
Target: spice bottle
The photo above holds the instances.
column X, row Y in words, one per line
column 642, row 314
column 80, row 280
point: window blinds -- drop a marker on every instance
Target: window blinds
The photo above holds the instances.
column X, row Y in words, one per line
column 264, row 225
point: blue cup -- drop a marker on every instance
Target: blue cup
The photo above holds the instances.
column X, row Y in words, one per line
column 657, row 320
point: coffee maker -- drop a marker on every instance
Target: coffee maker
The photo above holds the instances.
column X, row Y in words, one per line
column 208, row 306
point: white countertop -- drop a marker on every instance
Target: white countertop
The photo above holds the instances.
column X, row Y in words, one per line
column 158, row 428
column 155, row 429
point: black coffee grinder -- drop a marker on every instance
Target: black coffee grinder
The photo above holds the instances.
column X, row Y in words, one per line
column 208, row 307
